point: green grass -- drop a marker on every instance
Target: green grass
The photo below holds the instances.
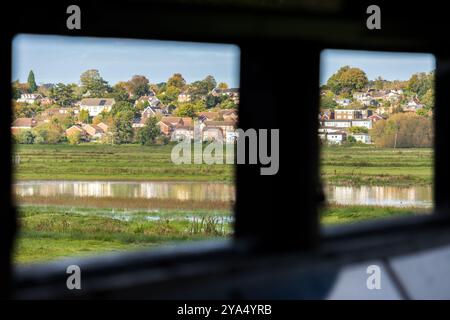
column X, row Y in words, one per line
column 376, row 166
column 107, row 162
column 338, row 214
column 50, row 232
column 59, row 227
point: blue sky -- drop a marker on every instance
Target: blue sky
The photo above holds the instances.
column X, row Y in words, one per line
column 56, row 59
column 388, row 65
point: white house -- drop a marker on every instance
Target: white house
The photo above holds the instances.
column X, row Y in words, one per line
column 29, row 98
column 414, row 105
column 366, row 123
column 184, row 97
column 337, row 123
column 343, row 102
column 362, row 137
column 96, row 105
column 183, row 133
column 333, row 138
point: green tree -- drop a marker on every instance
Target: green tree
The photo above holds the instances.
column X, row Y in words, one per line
column 74, row 138
column 48, row 133
column 228, row 103
column 32, row 86
column 428, row 99
column 327, row 101
column 16, row 90
column 347, row 79
column 120, row 92
column 185, row 110
column 122, row 106
column 83, row 116
column 190, row 109
column 201, row 88
column 63, row 94
column 138, row 86
column 122, row 127
column 420, row 83
column 222, row 85
column 356, row 130
column 94, row 84
column 25, row 137
column 176, row 81
column 170, row 95
column 147, row 135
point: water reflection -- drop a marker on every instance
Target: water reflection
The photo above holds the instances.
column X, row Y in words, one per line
column 197, row 191
column 417, row 196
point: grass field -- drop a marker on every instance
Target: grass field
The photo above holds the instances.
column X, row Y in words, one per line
column 51, row 232
column 364, row 165
column 61, row 226
column 107, row 162
column 368, row 165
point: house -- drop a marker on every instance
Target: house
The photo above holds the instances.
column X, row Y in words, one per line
column 151, row 100
column 183, row 132
column 344, row 102
column 152, row 112
column 413, row 105
column 184, row 97
column 47, row 101
column 208, row 116
column 73, row 129
column 336, row 123
column 96, row 105
column 329, row 129
column 229, row 114
column 210, row 131
column 139, row 122
column 103, row 126
column 50, row 112
column 23, row 124
column 347, row 114
column 375, row 118
column 337, row 137
column 212, row 134
column 366, row 123
column 344, row 114
column 394, row 95
column 168, row 124
column 233, row 93
column 362, row 137
column 373, row 103
column 29, row 98
column 93, row 130
column 363, row 97
column 187, row 121
column 326, row 114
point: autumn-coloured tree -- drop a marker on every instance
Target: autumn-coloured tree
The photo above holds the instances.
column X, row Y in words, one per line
column 347, row 80
column 403, row 130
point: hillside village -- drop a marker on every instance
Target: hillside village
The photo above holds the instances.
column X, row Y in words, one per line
column 129, row 112
column 351, row 106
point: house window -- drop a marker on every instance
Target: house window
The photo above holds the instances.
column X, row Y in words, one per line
column 382, row 168
column 89, row 183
